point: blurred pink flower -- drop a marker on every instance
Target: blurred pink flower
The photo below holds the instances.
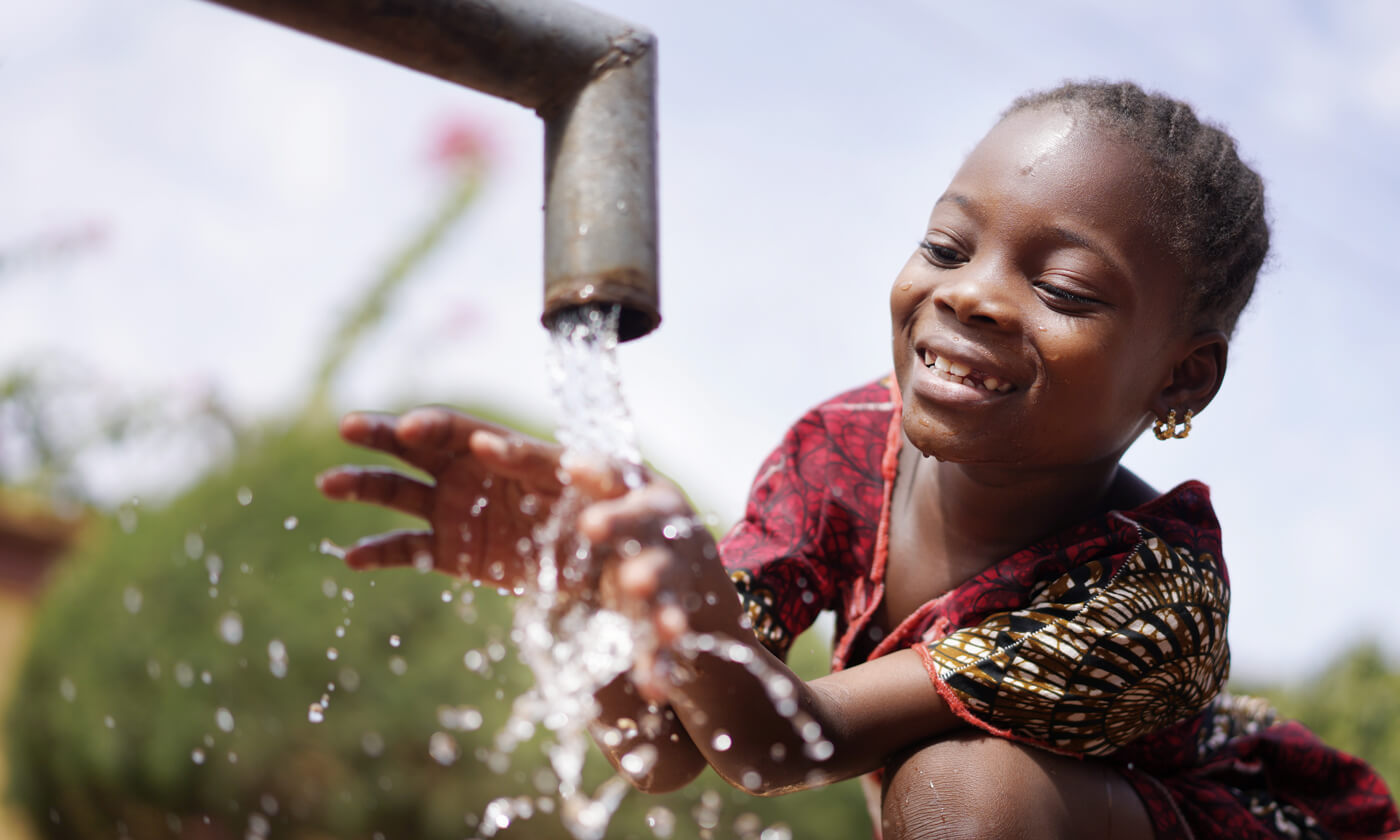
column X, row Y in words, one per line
column 460, row 142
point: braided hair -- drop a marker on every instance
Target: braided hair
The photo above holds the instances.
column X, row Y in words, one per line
column 1210, row 203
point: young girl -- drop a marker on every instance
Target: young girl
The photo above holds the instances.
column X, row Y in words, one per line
column 1031, row 640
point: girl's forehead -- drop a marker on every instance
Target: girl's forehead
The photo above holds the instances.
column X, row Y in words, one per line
column 1060, row 162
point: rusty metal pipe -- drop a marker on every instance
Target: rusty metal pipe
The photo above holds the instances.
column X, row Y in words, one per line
column 590, row 77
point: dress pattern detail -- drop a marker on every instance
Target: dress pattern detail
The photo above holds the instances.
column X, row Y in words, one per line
column 1101, row 656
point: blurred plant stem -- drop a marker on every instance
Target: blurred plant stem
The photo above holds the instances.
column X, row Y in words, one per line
column 372, row 307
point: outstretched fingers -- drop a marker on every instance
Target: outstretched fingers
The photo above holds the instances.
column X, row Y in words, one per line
column 396, row 548
column 516, row 456
column 376, row 430
column 382, row 487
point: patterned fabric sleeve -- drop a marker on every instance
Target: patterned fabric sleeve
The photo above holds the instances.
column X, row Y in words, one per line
column 773, row 553
column 1113, row 650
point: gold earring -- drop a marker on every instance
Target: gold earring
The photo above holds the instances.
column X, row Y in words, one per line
column 1165, row 429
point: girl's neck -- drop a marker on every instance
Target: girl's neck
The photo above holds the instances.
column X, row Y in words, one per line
column 978, row 514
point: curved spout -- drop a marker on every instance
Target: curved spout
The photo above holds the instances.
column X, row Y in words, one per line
column 590, row 77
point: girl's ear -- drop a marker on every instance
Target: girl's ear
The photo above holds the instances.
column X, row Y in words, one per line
column 1196, row 377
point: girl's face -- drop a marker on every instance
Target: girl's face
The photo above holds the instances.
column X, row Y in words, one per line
column 1038, row 321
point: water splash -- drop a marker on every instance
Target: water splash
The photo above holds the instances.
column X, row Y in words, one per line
column 572, row 647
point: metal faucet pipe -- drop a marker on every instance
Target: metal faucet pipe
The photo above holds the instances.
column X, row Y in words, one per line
column 590, row 77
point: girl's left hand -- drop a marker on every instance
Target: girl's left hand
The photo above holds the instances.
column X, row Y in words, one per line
column 660, row 564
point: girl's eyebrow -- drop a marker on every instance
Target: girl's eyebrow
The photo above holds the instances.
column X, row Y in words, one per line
column 1076, row 238
column 957, row 198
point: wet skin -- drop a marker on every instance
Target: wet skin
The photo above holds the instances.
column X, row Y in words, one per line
column 1040, row 268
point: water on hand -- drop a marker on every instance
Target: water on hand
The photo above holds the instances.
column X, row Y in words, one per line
column 572, row 647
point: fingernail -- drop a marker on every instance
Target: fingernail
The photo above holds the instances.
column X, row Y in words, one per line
column 491, row 442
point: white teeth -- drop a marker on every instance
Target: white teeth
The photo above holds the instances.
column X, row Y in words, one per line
column 958, row 372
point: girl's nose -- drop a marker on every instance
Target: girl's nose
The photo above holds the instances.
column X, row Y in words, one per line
column 979, row 295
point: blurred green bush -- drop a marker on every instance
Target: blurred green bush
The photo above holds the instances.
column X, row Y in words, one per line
column 176, row 658
column 1353, row 704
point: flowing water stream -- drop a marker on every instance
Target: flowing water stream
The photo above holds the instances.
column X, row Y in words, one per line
column 573, row 648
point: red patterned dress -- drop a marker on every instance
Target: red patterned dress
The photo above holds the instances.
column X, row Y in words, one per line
column 1105, row 640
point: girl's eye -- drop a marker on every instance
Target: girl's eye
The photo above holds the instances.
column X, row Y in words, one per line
column 1064, row 295
column 941, row 254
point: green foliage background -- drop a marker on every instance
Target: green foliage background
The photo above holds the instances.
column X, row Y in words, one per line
column 129, row 670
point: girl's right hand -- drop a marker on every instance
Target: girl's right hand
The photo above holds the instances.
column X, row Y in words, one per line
column 490, row 487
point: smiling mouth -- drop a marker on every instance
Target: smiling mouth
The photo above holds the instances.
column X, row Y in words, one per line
column 962, row 374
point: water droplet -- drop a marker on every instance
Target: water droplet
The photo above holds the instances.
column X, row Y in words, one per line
column 126, row 516
column 214, row 564
column 474, row 660
column 777, row 752
column 661, row 821
column 184, row 674
column 423, row 561
column 394, row 641
column 316, row 713
column 721, row 740
column 231, row 627
column 194, row 546
column 639, row 761
column 776, row 831
column 67, row 690
column 332, row 654
column 277, row 658
column 459, row 718
column 340, row 632
column 330, row 588
column 223, row 718
column 197, row 755
column 583, row 230
column 206, row 677
column 109, row 722
column 529, row 504
column 443, row 748
column 372, row 743
column 245, row 496
column 131, row 599
column 397, row 665
column 289, row 523
column 330, row 549
column 349, row 679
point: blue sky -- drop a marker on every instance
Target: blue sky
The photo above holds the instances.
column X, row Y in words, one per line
column 251, row 180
